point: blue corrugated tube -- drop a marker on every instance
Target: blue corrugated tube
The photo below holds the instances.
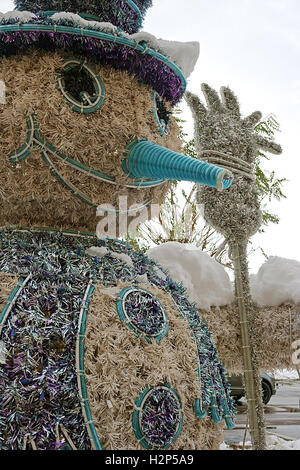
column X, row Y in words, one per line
column 143, row 159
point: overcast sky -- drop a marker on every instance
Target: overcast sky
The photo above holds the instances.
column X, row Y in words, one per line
column 252, row 46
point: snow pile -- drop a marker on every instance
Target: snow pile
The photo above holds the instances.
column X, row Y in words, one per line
column 22, row 16
column 273, row 443
column 3, row 352
column 276, row 443
column 78, row 20
column 206, row 282
column 277, row 282
column 285, row 374
column 99, row 252
column 183, row 54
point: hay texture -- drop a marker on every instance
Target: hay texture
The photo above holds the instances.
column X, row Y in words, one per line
column 119, row 365
column 7, row 284
column 275, row 329
column 30, row 195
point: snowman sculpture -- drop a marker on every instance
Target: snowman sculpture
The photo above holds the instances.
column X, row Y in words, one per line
column 99, row 348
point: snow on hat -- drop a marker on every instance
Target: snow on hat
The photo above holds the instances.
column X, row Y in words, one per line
column 105, row 31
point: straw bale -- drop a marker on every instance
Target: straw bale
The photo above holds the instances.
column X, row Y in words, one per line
column 7, row 284
column 274, row 331
column 119, row 365
column 30, row 194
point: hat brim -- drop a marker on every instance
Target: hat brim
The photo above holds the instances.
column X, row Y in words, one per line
column 116, row 50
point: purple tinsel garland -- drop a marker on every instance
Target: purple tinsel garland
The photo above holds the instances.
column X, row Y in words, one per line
column 160, row 417
column 149, row 69
column 121, row 13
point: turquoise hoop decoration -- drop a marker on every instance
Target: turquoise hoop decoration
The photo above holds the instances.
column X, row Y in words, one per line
column 199, row 412
column 89, row 104
column 11, row 300
column 163, row 126
column 150, row 321
column 80, row 370
column 148, row 429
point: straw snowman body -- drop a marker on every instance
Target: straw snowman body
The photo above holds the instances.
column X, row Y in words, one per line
column 99, row 349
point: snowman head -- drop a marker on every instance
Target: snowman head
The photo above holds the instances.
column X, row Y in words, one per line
column 87, row 113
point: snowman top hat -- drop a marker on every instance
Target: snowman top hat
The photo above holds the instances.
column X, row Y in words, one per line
column 126, row 14
column 105, row 32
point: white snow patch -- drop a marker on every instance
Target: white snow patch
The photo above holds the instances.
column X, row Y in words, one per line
column 184, row 54
column 122, row 257
column 3, row 352
column 285, row 374
column 142, row 279
column 98, row 251
column 277, row 443
column 77, row 20
column 277, row 282
column 112, row 292
column 101, row 251
column 206, row 281
column 272, row 443
column 160, row 274
column 23, row 16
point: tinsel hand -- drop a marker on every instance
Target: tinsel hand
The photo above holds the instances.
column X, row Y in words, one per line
column 220, row 127
column 224, row 138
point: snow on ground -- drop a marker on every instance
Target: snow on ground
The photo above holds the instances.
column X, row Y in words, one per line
column 285, row 374
column 273, row 443
column 206, row 281
column 277, row 282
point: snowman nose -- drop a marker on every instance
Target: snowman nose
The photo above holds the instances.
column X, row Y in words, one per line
column 144, row 159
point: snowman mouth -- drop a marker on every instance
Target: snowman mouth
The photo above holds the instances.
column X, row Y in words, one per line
column 48, row 151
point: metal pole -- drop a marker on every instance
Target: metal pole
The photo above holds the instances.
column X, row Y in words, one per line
column 251, row 375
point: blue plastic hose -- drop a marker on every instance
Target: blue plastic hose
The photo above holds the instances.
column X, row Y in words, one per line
column 143, row 159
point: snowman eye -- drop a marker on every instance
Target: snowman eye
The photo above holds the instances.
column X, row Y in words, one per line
column 161, row 114
column 81, row 86
column 143, row 313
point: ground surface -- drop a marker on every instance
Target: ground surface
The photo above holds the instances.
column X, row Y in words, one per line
column 282, row 414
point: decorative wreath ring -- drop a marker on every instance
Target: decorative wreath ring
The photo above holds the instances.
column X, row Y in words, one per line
column 157, row 418
column 143, row 313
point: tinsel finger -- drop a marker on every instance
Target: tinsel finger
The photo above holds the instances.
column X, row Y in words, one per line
column 230, row 102
column 195, row 104
column 251, row 120
column 268, row 145
column 212, row 98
